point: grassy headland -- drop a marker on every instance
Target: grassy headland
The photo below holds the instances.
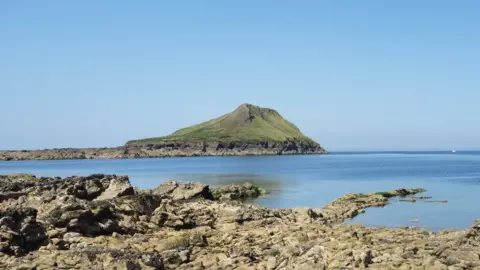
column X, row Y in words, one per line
column 248, row 123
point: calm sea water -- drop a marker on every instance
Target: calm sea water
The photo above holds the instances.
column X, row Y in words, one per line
column 312, row 181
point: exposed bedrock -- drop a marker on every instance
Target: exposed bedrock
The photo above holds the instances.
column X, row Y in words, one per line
column 179, row 149
column 102, row 222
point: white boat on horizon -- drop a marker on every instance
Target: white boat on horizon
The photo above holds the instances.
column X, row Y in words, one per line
column 454, row 151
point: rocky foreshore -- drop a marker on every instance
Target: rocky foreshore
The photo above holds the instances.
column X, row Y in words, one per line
column 102, row 222
column 174, row 149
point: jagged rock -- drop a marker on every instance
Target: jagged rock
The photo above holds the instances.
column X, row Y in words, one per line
column 117, row 187
column 191, row 190
column 315, row 258
column 20, row 232
column 183, row 191
column 98, row 187
column 351, row 205
column 237, row 192
column 11, row 195
column 91, row 223
column 165, row 188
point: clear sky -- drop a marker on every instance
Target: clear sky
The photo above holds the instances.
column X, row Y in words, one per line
column 353, row 75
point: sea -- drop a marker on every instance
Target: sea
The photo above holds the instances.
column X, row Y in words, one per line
column 313, row 180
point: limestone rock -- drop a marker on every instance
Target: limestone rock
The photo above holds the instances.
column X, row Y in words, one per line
column 20, row 232
column 99, row 222
column 117, row 187
column 183, row 191
column 237, row 192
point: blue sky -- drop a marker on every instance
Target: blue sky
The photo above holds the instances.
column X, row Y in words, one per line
column 353, row 75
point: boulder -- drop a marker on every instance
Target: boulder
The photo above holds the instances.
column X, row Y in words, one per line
column 165, row 188
column 117, row 187
column 237, row 192
column 183, row 191
column 20, row 232
column 191, row 190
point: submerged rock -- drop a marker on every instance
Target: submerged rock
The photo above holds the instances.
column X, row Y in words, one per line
column 351, row 205
column 436, row 201
column 421, row 197
column 411, row 200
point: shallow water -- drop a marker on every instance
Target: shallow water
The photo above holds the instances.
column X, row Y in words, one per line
column 312, row 181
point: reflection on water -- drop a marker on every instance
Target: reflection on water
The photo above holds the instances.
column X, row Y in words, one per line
column 312, row 181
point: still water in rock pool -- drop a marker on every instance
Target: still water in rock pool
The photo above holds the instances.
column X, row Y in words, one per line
column 313, row 181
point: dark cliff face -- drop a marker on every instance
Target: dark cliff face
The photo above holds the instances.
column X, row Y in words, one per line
column 234, row 148
column 172, row 149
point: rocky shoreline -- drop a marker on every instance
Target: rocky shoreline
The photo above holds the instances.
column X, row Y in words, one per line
column 173, row 149
column 102, row 222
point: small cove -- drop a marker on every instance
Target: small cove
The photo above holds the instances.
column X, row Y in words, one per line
column 313, row 180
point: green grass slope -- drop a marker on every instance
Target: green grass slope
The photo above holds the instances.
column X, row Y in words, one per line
column 248, row 123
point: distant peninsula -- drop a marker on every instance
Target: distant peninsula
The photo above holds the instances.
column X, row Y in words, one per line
column 248, row 130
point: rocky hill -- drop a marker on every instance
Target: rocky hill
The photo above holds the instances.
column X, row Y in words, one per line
column 248, row 123
column 249, row 130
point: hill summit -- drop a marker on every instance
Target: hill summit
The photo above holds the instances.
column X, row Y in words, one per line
column 248, row 125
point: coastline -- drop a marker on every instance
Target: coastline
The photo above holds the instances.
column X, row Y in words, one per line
column 184, row 149
column 101, row 221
